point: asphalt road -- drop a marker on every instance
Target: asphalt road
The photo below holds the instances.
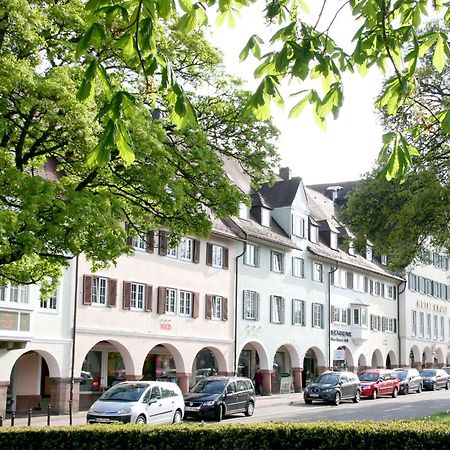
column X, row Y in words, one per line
column 404, row 407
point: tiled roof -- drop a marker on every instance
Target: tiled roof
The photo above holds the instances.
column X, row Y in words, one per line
column 282, row 193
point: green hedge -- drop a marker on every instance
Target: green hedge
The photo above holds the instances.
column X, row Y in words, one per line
column 319, row 435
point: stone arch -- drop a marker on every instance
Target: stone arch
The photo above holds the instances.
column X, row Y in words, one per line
column 427, row 357
column 439, row 356
column 415, row 358
column 348, row 363
column 362, row 362
column 391, row 360
column 319, row 355
column 448, row 359
column 52, row 363
column 377, row 359
column 264, row 362
column 207, row 361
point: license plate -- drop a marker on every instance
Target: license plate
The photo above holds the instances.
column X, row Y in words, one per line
column 313, row 395
column 100, row 419
column 191, row 408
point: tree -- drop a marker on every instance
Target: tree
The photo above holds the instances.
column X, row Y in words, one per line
column 56, row 200
column 302, row 48
column 401, row 216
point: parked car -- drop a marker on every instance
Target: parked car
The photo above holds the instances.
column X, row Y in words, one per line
column 410, row 380
column 333, row 387
column 216, row 397
column 447, row 369
column 435, row 379
column 376, row 382
column 139, row 402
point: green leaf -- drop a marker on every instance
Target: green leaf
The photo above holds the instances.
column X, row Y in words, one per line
column 104, row 80
column 100, row 155
column 299, row 107
column 86, row 91
column 445, row 122
column 186, row 5
column 123, row 143
column 128, row 51
column 439, row 57
column 165, row 8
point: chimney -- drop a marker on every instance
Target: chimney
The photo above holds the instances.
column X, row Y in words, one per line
column 285, row 173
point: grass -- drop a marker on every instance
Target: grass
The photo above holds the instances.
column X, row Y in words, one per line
column 443, row 417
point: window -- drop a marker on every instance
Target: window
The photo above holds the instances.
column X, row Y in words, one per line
column 429, row 326
column 251, row 255
column 265, row 217
column 414, row 324
column 389, row 291
column 187, row 249
column 412, row 282
column 435, row 327
column 172, row 252
column 442, row 329
column 185, row 300
column 359, row 317
column 375, row 322
column 298, row 267
column 277, row 309
column 377, row 288
column 99, row 289
column 2, row 293
column 314, row 233
column 243, row 211
column 317, row 315
column 351, row 248
column 369, row 252
column 137, row 296
column 421, row 324
column 356, row 317
column 139, row 243
column 317, row 272
column 349, row 280
column 298, row 312
column 251, row 305
column 345, row 316
column 15, row 294
column 216, row 256
column 14, row 321
column 436, row 289
column 216, row 307
column 333, row 240
column 389, row 324
column 421, row 284
column 384, row 260
column 298, row 226
column 277, row 262
column 335, row 314
column 171, row 301
column 49, row 304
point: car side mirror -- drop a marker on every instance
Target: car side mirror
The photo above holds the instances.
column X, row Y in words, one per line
column 152, row 400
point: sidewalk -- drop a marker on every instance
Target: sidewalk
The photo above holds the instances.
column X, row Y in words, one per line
column 79, row 418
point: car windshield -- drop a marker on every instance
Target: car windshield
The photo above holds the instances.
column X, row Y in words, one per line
column 447, row 369
column 327, row 378
column 124, row 393
column 369, row 376
column 428, row 373
column 402, row 374
column 209, row 386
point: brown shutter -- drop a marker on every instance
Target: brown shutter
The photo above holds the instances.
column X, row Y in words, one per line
column 196, row 258
column 129, row 240
column 87, row 289
column 225, row 258
column 150, row 241
column 148, row 297
column 162, row 243
column 161, row 308
column 126, row 296
column 196, row 305
column 112, row 293
column 224, row 308
column 366, row 284
column 209, row 254
column 208, row 306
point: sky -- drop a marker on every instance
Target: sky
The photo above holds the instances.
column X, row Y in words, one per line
column 350, row 146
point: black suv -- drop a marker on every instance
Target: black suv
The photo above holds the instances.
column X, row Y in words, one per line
column 410, row 380
column 333, row 387
column 217, row 397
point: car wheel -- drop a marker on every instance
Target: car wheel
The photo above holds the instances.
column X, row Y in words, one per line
column 419, row 388
column 357, row 397
column 250, row 409
column 447, row 386
column 141, row 420
column 307, row 401
column 433, row 387
column 395, row 393
column 407, row 389
column 337, row 399
column 374, row 395
column 219, row 413
column 177, row 417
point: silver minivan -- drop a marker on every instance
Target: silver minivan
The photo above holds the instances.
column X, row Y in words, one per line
column 139, row 402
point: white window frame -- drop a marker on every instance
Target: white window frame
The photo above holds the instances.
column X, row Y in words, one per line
column 298, row 226
column 442, row 335
column 314, row 234
column 251, row 255
column 333, row 240
column 435, row 327
column 185, row 303
column 298, row 267
column 172, row 252
column 277, row 310
column 265, row 217
column 429, row 326
column 139, row 243
column 277, row 261
column 251, row 305
column 317, row 272
column 337, row 315
column 171, row 301
column 50, row 304
column 99, row 291
column 137, row 296
column 298, row 312
column 17, row 294
column 317, row 313
column 216, row 307
column 413, row 323
column 217, row 256
column 186, row 249
column 421, row 324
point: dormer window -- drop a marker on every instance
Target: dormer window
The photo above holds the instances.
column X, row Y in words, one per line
column 384, row 260
column 333, row 240
column 369, row 253
column 265, row 217
column 243, row 211
column 314, row 233
column 298, row 226
column 351, row 248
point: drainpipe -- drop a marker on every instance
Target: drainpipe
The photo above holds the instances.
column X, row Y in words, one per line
column 398, row 319
column 236, row 356
column 329, row 313
column 74, row 334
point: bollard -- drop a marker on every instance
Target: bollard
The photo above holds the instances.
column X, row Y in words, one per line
column 70, row 412
column 49, row 412
column 1, row 421
column 30, row 411
column 13, row 416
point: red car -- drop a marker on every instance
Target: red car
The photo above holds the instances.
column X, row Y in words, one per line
column 375, row 382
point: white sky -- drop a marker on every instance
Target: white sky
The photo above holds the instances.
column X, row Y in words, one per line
column 351, row 143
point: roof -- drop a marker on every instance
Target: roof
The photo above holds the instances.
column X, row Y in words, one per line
column 346, row 186
column 281, row 193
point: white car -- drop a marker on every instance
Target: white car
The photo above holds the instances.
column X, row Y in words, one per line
column 139, row 402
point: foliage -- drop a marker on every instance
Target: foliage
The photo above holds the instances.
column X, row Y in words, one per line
column 322, row 435
column 302, row 48
column 72, row 172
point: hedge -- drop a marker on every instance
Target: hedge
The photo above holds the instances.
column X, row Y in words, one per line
column 318, row 435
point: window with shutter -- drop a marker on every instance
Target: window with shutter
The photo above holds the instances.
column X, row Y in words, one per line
column 87, row 289
column 209, row 251
column 196, row 251
column 224, row 308
column 126, row 297
column 162, row 250
column 148, row 297
column 208, row 307
column 112, row 293
column 196, row 305
column 162, row 293
column 150, row 241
